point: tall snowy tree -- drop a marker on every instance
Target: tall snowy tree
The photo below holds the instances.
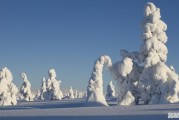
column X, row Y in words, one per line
column 8, row 90
column 25, row 89
column 142, row 74
column 95, row 95
column 158, row 83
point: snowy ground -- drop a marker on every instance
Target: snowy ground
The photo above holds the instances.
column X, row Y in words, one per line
column 75, row 110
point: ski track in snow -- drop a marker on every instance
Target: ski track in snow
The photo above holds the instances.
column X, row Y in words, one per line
column 76, row 110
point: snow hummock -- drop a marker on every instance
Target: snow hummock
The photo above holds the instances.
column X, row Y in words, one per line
column 8, row 90
column 110, row 90
column 95, row 94
column 25, row 89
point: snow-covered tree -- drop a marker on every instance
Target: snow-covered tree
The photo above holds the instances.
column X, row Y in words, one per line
column 153, row 49
column 76, row 94
column 8, row 90
column 127, row 73
column 80, row 95
column 37, row 96
column 43, row 92
column 53, row 86
column 71, row 93
column 95, row 95
column 158, row 83
column 142, row 74
column 25, row 89
column 110, row 90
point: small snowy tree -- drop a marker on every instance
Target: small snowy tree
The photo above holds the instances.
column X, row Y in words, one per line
column 76, row 94
column 43, row 93
column 110, row 90
column 80, row 95
column 71, row 94
column 37, row 96
column 25, row 89
column 53, row 87
column 95, row 95
column 158, row 83
column 8, row 90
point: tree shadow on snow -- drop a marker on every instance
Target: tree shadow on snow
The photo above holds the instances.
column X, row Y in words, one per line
column 44, row 105
column 121, row 117
column 52, row 104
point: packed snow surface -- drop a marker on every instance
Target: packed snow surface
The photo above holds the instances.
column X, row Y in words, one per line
column 75, row 109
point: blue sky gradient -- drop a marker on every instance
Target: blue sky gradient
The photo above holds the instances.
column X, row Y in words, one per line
column 69, row 35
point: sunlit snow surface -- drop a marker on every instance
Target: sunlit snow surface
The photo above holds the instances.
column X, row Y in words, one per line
column 76, row 110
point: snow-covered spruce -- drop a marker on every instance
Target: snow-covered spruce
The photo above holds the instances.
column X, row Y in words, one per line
column 37, row 96
column 8, row 90
column 43, row 92
column 158, row 83
column 25, row 89
column 110, row 90
column 76, row 94
column 154, row 37
column 127, row 73
column 53, row 87
column 95, row 94
column 71, row 93
column 80, row 95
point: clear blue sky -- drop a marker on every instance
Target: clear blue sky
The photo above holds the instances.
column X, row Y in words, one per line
column 69, row 35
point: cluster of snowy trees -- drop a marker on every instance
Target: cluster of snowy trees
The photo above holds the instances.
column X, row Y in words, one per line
column 50, row 89
column 71, row 94
column 141, row 75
